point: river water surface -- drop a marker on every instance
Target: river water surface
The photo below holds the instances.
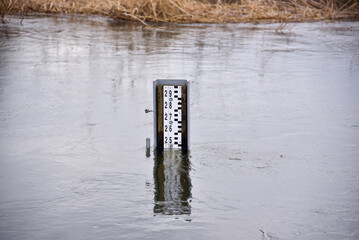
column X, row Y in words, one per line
column 274, row 131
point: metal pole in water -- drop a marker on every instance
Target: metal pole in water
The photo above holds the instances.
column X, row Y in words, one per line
column 148, row 144
column 148, row 147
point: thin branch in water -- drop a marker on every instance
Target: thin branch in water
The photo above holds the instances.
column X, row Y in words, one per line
column 265, row 235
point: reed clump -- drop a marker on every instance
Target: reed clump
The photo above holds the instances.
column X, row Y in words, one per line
column 189, row 11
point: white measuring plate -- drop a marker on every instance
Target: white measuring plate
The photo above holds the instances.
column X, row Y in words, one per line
column 172, row 117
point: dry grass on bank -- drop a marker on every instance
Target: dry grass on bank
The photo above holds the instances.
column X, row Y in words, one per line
column 187, row 11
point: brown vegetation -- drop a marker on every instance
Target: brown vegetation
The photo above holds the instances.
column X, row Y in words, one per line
column 187, row 11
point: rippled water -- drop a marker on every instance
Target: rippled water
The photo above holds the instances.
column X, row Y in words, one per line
column 274, row 131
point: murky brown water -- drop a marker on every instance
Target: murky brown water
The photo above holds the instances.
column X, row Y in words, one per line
column 274, row 131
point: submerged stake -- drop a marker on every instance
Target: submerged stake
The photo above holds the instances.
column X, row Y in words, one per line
column 148, row 143
column 148, row 147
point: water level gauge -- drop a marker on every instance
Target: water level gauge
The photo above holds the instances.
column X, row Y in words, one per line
column 171, row 114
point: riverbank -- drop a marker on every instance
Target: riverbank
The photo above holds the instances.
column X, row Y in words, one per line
column 190, row 11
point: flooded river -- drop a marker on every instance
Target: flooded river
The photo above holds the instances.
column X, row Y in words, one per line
column 274, row 131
